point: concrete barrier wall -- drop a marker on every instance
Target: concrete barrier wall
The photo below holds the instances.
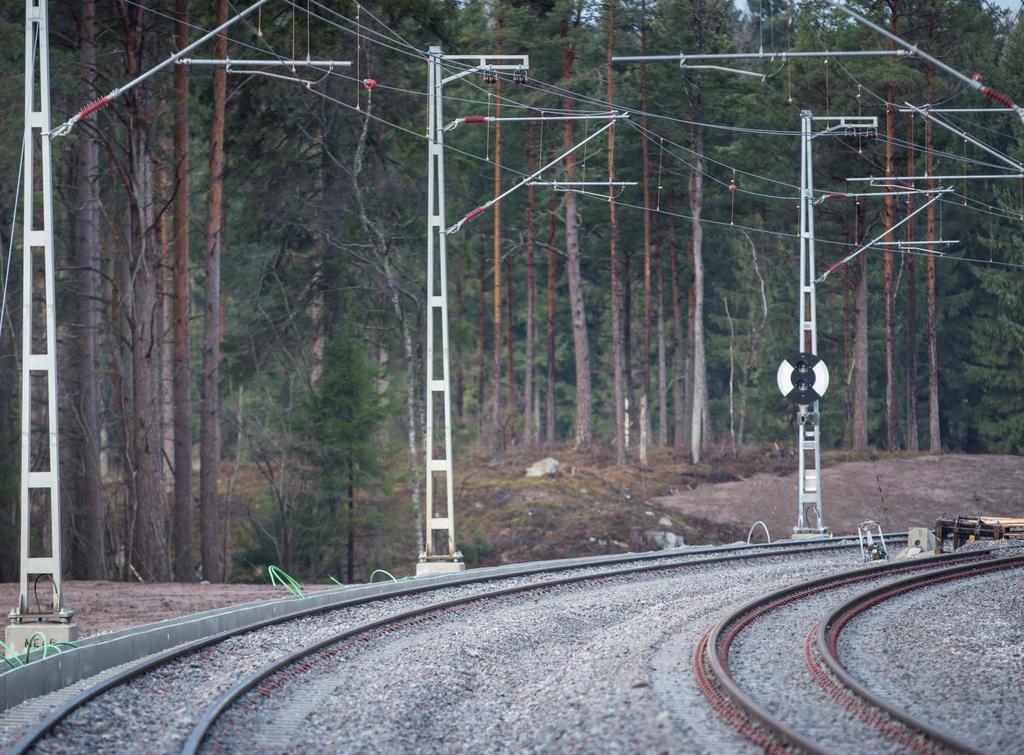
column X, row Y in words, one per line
column 101, row 652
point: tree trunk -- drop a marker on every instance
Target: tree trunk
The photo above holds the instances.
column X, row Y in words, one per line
column 860, row 349
column 481, row 341
column 678, row 355
column 510, row 372
column 209, row 427
column 529, row 437
column 691, row 308
column 89, row 524
column 645, row 343
column 934, row 434
column 549, row 387
column 581, row 349
column 697, row 424
column 891, row 416
column 350, row 540
column 849, row 288
column 617, row 356
column 143, row 413
column 912, row 441
column 662, row 372
column 162, row 198
column 496, row 435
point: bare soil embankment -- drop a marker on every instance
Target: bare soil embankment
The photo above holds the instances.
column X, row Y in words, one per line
column 592, row 507
column 899, row 492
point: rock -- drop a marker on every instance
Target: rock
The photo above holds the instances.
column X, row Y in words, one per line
column 664, row 540
column 664, row 522
column 542, row 468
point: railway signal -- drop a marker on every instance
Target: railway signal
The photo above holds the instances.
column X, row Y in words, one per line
column 802, row 378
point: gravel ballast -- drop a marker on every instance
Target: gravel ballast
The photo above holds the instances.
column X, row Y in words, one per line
column 767, row 660
column 160, row 707
column 951, row 654
column 600, row 667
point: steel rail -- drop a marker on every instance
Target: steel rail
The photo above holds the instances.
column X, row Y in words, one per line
column 38, row 731
column 713, row 650
column 829, row 629
column 202, row 729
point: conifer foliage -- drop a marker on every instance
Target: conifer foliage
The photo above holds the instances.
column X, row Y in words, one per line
column 264, row 401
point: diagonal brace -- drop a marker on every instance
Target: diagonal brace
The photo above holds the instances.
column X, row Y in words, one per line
column 847, row 258
column 483, row 208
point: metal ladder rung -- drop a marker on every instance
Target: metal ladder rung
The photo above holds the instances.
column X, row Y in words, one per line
column 43, row 480
column 41, row 565
column 40, row 362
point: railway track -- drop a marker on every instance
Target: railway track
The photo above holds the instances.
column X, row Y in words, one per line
column 799, row 693
column 47, row 733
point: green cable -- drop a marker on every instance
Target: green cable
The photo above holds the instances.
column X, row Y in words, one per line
column 381, row 571
column 31, row 640
column 10, row 657
column 281, row 577
column 339, row 584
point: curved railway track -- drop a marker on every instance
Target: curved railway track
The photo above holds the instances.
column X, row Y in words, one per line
column 825, row 638
column 767, row 723
column 304, row 658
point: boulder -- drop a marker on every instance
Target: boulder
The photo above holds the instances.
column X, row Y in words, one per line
column 542, row 468
column 664, row 540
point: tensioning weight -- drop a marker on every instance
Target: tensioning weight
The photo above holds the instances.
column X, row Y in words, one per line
column 802, row 378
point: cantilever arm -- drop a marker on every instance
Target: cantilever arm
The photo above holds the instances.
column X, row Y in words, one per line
column 105, row 100
column 482, row 208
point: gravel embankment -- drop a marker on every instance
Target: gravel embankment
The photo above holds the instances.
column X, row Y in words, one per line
column 160, row 707
column 951, row 654
column 605, row 668
column 767, row 660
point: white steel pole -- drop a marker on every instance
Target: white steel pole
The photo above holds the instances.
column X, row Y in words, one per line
column 435, row 556
column 40, row 478
column 808, row 418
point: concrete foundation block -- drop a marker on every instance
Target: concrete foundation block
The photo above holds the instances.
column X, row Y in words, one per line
column 18, row 634
column 428, row 568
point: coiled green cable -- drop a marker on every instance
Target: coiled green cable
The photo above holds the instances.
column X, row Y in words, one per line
column 280, row 577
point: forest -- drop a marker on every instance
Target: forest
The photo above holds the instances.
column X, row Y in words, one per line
column 241, row 276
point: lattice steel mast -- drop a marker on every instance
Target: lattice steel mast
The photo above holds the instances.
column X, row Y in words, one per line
column 40, row 536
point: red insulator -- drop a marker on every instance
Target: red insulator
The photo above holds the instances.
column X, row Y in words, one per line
column 473, row 213
column 92, row 107
column 732, row 187
column 370, row 83
column 999, row 97
column 474, row 119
